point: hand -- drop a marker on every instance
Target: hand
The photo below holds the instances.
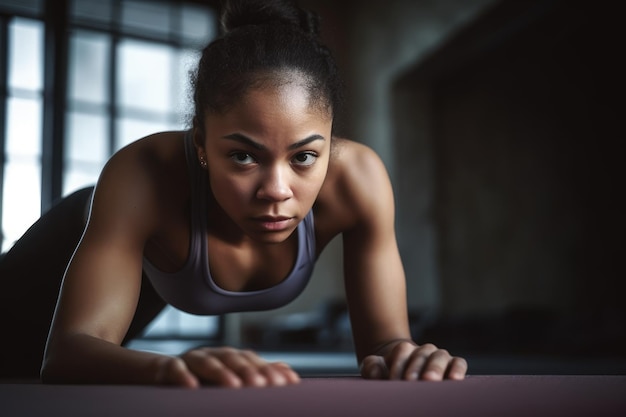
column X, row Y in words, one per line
column 411, row 362
column 226, row 367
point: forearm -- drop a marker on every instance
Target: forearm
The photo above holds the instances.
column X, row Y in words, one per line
column 88, row 360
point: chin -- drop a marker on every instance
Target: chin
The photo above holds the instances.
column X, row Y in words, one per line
column 272, row 238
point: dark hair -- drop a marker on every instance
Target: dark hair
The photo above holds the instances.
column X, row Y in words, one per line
column 261, row 40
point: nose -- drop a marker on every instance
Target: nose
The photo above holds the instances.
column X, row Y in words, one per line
column 275, row 185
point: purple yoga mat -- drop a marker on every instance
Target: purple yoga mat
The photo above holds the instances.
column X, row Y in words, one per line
column 324, row 397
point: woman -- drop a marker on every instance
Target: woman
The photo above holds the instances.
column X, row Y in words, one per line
column 231, row 216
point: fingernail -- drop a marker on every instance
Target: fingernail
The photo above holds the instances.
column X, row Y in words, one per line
column 260, row 381
column 375, row 372
column 280, row 380
column 432, row 376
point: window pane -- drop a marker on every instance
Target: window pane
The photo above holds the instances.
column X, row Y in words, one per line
column 88, row 67
column 145, row 74
column 86, row 150
column 78, row 175
column 151, row 16
column 21, row 197
column 25, row 54
column 22, row 172
column 198, row 24
column 95, row 10
column 23, row 127
column 129, row 130
column 32, row 6
column 87, row 137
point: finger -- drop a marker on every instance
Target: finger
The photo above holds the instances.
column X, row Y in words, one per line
column 374, row 367
column 174, row 371
column 457, row 369
column 417, row 361
column 275, row 374
column 398, row 358
column 279, row 373
column 436, row 366
column 210, row 369
column 244, row 366
column 291, row 375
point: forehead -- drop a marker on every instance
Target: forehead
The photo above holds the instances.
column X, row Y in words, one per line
column 288, row 104
column 289, row 86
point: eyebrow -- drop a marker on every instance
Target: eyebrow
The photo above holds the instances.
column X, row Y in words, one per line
column 238, row 137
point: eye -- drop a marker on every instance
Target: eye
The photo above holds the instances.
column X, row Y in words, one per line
column 305, row 158
column 242, row 158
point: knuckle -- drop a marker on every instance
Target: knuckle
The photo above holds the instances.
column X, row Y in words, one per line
column 170, row 368
column 281, row 365
column 227, row 350
column 429, row 347
column 245, row 371
column 197, row 353
column 403, row 346
column 461, row 362
column 369, row 360
column 249, row 352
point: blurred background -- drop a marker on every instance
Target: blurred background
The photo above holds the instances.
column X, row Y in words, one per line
column 500, row 122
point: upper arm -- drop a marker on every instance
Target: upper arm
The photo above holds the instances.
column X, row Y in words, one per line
column 375, row 280
column 102, row 282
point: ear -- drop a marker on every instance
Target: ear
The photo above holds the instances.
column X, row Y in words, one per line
column 198, row 138
column 198, row 134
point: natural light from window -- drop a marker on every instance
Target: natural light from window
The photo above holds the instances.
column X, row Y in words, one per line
column 119, row 89
column 22, row 169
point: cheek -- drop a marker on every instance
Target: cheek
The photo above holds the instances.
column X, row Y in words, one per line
column 309, row 187
column 229, row 189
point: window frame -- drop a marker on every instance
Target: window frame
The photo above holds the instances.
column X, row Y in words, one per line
column 58, row 26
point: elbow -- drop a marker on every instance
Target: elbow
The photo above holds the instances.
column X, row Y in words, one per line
column 47, row 375
column 52, row 365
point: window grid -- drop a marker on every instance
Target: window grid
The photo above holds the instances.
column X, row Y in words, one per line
column 112, row 117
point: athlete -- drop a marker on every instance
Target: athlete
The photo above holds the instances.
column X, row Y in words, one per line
column 231, row 215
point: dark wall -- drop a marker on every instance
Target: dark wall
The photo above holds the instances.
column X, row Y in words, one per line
column 520, row 119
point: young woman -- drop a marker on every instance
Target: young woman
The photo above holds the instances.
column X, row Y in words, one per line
column 231, row 216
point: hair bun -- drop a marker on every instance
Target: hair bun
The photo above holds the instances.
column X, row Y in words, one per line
column 239, row 13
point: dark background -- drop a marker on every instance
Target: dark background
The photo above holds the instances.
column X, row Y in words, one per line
column 522, row 117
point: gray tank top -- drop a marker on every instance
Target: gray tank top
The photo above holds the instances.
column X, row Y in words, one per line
column 192, row 289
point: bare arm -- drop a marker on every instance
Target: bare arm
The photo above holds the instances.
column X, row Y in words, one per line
column 375, row 285
column 101, row 289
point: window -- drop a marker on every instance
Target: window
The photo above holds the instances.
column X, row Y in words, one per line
column 21, row 177
column 127, row 76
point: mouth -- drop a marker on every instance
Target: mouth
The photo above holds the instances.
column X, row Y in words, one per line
column 274, row 223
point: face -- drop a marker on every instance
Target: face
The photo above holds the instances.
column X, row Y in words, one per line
column 267, row 159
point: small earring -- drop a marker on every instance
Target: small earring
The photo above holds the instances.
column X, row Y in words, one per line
column 203, row 163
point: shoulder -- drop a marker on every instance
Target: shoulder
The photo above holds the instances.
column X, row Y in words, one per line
column 357, row 191
column 142, row 178
column 153, row 151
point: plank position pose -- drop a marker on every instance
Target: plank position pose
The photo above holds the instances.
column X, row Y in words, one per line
column 231, row 216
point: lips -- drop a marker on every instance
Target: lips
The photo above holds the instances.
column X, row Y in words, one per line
column 273, row 223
